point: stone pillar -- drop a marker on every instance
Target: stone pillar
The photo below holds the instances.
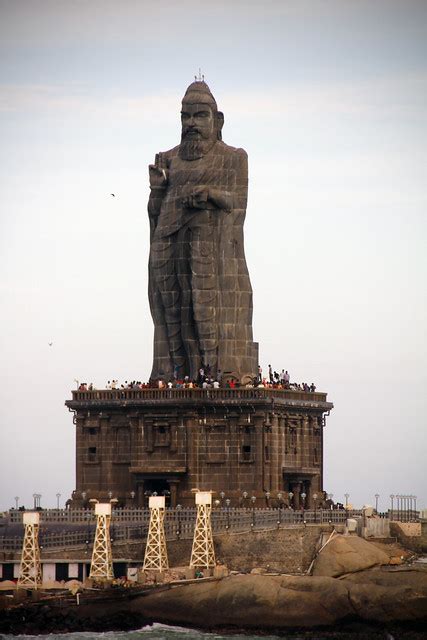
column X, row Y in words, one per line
column 140, row 494
column 296, row 488
column 173, row 488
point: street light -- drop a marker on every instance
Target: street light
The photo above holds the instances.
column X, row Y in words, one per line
column 227, row 502
column 315, row 496
column 279, row 497
column 179, row 509
column 253, row 500
column 58, row 495
column 303, row 496
column 290, row 495
column 392, row 496
column 267, row 497
column 346, row 496
column 16, row 501
column 377, row 495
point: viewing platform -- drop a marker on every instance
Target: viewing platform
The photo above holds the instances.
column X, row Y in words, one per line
column 146, row 397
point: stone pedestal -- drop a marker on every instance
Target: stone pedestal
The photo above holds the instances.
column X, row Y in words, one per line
column 174, row 440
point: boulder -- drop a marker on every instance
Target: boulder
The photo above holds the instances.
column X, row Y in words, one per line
column 391, row 597
column 250, row 601
column 347, row 554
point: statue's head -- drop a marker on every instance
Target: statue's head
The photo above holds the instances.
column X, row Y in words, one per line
column 201, row 121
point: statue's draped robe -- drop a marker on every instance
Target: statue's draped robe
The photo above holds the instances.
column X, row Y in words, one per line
column 199, row 288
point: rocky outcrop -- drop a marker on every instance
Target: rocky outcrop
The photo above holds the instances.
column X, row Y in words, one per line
column 264, row 601
column 250, row 601
column 392, row 595
column 348, row 554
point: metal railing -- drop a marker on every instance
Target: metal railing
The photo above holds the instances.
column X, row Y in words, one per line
column 179, row 523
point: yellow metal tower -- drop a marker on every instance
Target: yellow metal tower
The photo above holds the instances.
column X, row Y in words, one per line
column 156, row 557
column 101, row 567
column 30, row 574
column 203, row 554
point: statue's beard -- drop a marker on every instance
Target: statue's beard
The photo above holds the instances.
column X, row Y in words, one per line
column 192, row 148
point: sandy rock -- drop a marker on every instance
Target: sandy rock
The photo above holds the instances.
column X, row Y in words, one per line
column 7, row 585
column 53, row 584
column 347, row 554
column 258, row 571
column 220, row 571
column 250, row 601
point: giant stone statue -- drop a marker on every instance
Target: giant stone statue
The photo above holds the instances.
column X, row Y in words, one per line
column 199, row 288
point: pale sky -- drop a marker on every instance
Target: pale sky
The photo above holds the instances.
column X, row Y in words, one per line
column 328, row 98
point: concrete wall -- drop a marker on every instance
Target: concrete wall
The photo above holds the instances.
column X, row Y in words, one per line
column 412, row 535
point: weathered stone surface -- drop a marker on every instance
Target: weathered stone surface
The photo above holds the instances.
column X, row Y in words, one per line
column 214, row 439
column 199, row 288
column 347, row 554
column 263, row 602
column 387, row 596
column 251, row 601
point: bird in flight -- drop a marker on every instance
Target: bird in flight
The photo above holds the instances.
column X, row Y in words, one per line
column 50, row 344
column 113, row 194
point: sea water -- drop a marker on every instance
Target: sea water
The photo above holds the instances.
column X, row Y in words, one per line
column 150, row 632
column 165, row 632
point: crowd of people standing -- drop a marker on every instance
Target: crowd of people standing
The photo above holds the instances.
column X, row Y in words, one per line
column 206, row 380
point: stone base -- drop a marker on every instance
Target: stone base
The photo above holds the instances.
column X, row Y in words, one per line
column 238, row 443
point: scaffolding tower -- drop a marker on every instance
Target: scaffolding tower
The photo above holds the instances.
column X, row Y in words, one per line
column 101, row 567
column 30, row 573
column 203, row 554
column 156, row 556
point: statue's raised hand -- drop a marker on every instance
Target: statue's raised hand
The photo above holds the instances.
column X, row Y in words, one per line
column 158, row 172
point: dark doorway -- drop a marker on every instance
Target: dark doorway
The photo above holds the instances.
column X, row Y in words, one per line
column 61, row 571
column 157, row 485
column 120, row 569
column 8, row 571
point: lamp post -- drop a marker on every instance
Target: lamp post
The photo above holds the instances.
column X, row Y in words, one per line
column 245, row 496
column 303, row 497
column 377, row 495
column 110, row 495
column 290, row 495
column 346, row 496
column 222, row 496
column 132, row 495
column 16, row 502
column 37, row 499
column 279, row 498
column 58, row 495
column 227, row 503
column 330, row 496
column 267, row 498
column 392, row 496
column 178, row 510
column 315, row 496
column 398, row 496
column 253, row 500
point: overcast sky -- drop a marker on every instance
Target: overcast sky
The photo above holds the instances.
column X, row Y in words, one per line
column 329, row 100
